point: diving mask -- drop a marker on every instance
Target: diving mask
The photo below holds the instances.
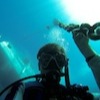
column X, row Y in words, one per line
column 59, row 58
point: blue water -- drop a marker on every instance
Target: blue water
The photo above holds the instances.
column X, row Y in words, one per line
column 28, row 25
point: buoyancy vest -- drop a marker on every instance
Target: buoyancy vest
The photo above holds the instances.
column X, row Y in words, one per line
column 38, row 91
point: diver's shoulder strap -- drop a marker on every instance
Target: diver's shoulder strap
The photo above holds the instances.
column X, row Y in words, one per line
column 13, row 91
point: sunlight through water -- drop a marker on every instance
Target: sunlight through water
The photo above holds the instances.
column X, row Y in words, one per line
column 82, row 10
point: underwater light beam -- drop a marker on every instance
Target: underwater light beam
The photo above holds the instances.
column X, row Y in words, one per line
column 86, row 11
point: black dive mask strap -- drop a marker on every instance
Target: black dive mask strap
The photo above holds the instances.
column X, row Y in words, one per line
column 67, row 80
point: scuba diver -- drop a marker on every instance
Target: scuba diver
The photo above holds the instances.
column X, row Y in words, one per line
column 53, row 64
column 81, row 35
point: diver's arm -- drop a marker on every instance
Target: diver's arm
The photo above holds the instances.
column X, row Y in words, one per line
column 94, row 64
column 93, row 60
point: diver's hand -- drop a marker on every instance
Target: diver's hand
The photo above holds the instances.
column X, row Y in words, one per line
column 80, row 36
column 82, row 41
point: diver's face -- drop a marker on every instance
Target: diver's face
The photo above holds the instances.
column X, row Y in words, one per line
column 52, row 62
